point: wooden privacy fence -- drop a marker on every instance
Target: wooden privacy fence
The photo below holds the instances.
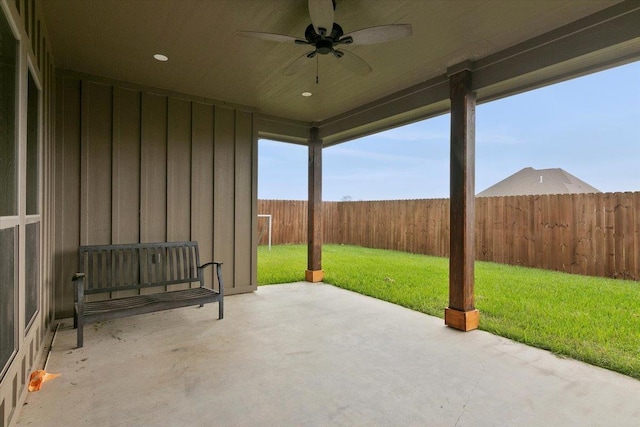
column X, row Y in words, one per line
column 591, row 234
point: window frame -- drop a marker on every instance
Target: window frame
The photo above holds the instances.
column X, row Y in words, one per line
column 13, row 221
column 30, row 70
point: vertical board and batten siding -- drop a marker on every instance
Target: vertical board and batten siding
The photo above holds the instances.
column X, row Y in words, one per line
column 202, row 177
column 125, row 194
column 179, row 174
column 243, row 198
column 224, row 190
column 126, row 162
column 179, row 171
column 136, row 166
column 67, row 221
column 95, row 163
column 588, row 234
column 153, row 169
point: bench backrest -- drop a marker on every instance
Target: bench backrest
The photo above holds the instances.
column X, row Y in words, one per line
column 110, row 268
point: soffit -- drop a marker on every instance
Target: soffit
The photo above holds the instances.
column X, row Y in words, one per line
column 117, row 38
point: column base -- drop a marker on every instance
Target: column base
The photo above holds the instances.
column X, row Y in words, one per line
column 313, row 276
column 462, row 320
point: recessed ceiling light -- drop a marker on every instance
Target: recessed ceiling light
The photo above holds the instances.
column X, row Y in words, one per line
column 307, row 94
column 161, row 57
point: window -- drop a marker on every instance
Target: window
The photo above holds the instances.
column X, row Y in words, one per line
column 32, row 228
column 7, row 295
column 33, row 170
column 8, row 193
column 32, row 273
column 8, row 146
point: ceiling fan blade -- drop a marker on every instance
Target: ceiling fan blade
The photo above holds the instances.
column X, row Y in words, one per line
column 268, row 36
column 380, row 34
column 295, row 66
column 352, row 62
column 321, row 13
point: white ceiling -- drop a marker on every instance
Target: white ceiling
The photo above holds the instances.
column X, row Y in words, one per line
column 117, row 39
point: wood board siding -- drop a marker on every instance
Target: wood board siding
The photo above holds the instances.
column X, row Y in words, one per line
column 125, row 228
column 591, row 234
column 95, row 163
column 224, row 191
column 136, row 166
column 179, row 171
column 67, row 222
column 243, row 198
column 202, row 179
column 153, row 169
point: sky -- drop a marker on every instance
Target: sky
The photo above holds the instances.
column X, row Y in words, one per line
column 589, row 126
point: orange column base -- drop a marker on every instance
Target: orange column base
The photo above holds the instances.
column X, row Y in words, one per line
column 313, row 276
column 462, row 320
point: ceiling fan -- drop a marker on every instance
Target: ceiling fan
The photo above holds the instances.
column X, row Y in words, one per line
column 326, row 37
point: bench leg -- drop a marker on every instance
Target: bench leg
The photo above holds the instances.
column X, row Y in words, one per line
column 80, row 333
column 220, row 309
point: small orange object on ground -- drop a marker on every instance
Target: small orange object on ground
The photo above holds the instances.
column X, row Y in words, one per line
column 38, row 378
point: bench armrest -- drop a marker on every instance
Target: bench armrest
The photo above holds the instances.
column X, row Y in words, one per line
column 209, row 264
column 218, row 273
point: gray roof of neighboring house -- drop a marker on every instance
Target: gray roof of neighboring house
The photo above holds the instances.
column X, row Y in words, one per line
column 530, row 181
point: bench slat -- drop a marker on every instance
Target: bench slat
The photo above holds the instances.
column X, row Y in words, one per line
column 157, row 305
column 161, row 263
column 140, row 300
column 135, row 266
column 138, row 286
column 187, row 260
column 108, row 261
column 171, row 263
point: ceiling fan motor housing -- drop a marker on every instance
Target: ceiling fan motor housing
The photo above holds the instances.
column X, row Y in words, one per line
column 324, row 44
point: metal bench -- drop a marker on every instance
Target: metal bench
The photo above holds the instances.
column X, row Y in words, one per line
column 121, row 280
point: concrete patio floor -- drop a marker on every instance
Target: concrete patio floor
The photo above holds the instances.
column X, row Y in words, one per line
column 314, row 355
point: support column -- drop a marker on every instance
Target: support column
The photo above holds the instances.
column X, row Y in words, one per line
column 314, row 271
column 461, row 313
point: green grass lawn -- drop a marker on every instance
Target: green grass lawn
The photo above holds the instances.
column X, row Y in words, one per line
column 586, row 318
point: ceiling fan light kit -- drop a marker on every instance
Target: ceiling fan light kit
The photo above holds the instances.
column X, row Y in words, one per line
column 325, row 42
